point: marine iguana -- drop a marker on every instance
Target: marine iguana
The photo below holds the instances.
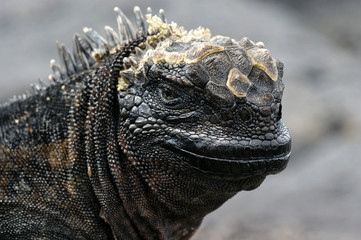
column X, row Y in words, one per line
column 140, row 134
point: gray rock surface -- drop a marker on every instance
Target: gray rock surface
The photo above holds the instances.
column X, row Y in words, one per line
column 318, row 195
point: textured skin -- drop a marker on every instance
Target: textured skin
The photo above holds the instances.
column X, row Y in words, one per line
column 141, row 144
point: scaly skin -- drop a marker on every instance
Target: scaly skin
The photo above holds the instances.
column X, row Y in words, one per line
column 143, row 139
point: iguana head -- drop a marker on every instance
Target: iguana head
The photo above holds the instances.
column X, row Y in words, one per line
column 189, row 103
column 197, row 105
column 181, row 120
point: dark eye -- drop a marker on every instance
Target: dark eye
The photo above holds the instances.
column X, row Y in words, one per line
column 169, row 95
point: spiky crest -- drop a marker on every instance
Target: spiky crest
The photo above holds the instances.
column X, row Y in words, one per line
column 89, row 50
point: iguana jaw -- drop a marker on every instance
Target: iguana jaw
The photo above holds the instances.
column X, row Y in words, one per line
column 233, row 162
column 234, row 169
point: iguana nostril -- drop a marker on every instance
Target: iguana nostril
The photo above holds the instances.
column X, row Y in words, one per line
column 245, row 115
column 279, row 112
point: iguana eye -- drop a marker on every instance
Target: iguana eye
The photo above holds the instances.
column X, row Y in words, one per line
column 169, row 95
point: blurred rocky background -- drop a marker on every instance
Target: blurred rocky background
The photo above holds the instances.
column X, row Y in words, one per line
column 319, row 195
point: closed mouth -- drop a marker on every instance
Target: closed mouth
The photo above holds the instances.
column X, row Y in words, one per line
column 237, row 162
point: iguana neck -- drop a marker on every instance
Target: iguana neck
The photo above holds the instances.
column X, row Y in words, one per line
column 132, row 208
column 170, row 206
column 171, row 213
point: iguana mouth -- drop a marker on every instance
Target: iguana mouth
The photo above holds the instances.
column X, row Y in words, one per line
column 236, row 162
